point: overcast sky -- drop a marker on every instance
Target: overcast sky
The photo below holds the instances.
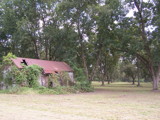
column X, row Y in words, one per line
column 131, row 12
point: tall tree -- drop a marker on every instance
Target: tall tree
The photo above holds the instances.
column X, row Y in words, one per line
column 76, row 14
column 143, row 17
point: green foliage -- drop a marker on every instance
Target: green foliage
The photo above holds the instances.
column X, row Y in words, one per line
column 79, row 74
column 39, row 90
column 16, row 76
column 60, row 79
column 9, row 77
column 7, row 59
column 6, row 62
column 129, row 69
column 54, row 79
column 32, row 74
column 1, row 73
column 28, row 76
column 65, row 79
column 58, row 90
column 84, row 86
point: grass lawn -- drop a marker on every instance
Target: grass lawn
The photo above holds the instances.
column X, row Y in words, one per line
column 118, row 101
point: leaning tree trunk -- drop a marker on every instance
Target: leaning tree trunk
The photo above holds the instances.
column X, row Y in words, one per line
column 154, row 73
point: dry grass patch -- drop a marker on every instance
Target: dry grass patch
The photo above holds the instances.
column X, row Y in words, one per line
column 118, row 101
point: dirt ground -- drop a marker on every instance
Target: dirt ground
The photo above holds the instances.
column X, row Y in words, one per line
column 119, row 101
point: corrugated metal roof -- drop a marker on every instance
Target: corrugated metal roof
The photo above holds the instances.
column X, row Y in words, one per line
column 48, row 66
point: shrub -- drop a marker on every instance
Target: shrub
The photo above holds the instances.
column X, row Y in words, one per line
column 39, row 90
column 84, row 86
column 64, row 78
column 54, row 79
column 16, row 76
column 1, row 74
column 79, row 74
column 82, row 83
column 7, row 59
column 8, row 79
column 28, row 76
column 32, row 74
column 60, row 79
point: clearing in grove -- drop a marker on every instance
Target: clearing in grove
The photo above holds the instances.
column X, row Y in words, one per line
column 118, row 101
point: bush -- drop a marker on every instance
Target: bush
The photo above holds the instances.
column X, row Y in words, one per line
column 32, row 74
column 79, row 74
column 64, row 78
column 1, row 74
column 84, row 87
column 28, row 76
column 39, row 90
column 7, row 59
column 82, row 84
column 54, row 78
column 60, row 79
column 15, row 76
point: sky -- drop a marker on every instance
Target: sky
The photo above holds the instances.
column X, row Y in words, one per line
column 131, row 12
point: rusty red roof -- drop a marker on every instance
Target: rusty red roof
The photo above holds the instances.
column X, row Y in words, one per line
column 48, row 66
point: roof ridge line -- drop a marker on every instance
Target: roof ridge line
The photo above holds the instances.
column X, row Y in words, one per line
column 40, row 59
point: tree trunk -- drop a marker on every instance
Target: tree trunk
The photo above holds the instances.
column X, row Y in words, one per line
column 35, row 48
column 155, row 77
column 95, row 67
column 102, row 82
column 138, row 85
column 133, row 81
column 138, row 77
column 85, row 65
column 154, row 73
column 82, row 50
column 104, row 72
column 109, row 81
column 155, row 84
column 46, row 50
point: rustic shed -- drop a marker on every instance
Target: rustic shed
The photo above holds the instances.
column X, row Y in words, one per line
column 49, row 67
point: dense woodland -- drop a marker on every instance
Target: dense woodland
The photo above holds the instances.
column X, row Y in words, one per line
column 101, row 37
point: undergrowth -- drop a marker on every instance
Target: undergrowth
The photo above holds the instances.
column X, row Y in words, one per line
column 43, row 90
